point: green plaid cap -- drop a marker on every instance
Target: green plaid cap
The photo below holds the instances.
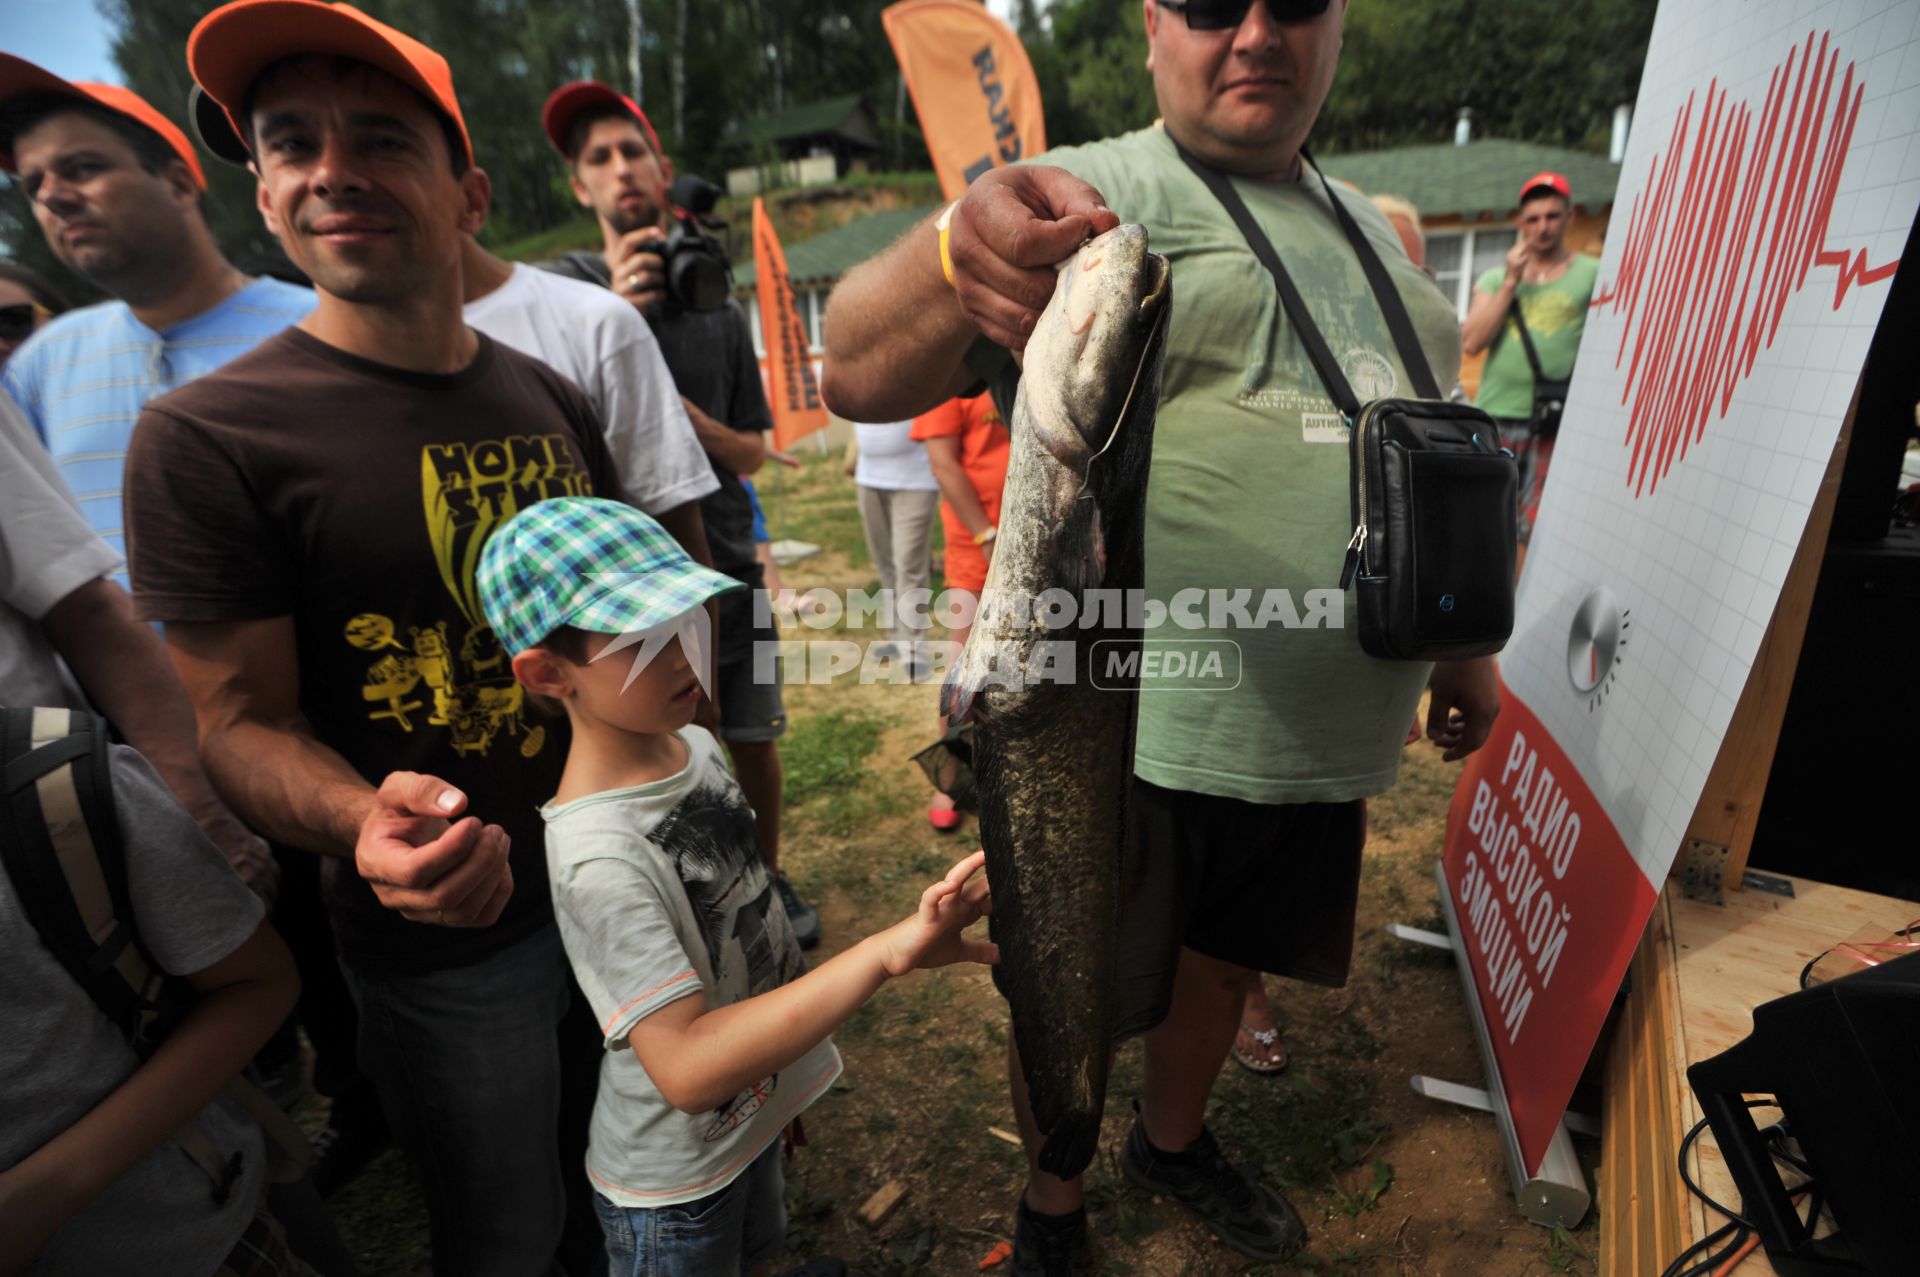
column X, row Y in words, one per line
column 593, row 564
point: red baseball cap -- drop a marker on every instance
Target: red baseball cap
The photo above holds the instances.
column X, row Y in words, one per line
column 1555, row 182
column 565, row 103
column 236, row 42
column 19, row 77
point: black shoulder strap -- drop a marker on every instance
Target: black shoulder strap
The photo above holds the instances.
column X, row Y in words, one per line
column 60, row 842
column 1392, row 308
column 1526, row 337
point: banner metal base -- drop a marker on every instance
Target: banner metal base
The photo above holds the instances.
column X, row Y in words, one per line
column 1557, row 1193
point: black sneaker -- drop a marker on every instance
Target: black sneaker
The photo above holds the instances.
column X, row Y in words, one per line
column 1246, row 1215
column 1049, row 1245
column 803, row 916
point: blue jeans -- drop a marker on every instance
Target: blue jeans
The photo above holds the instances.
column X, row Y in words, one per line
column 718, row 1235
column 467, row 1064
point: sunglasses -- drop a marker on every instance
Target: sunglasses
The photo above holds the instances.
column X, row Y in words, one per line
column 16, row 322
column 1225, row 15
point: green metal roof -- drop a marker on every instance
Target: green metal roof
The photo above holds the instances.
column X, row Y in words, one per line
column 801, row 121
column 1473, row 181
column 831, row 254
column 1478, row 180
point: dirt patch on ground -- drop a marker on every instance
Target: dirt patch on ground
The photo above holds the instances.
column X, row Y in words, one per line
column 1388, row 1182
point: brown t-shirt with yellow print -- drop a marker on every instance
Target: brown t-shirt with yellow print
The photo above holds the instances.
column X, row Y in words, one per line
column 353, row 497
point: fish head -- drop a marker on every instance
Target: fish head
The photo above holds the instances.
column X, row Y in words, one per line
column 1096, row 343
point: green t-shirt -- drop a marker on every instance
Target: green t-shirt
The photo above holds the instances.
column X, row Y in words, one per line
column 1248, row 489
column 1556, row 316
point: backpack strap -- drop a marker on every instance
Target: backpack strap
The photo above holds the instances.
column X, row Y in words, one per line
column 63, row 852
column 60, row 845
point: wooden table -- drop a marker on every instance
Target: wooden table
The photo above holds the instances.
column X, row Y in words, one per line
column 1695, row 979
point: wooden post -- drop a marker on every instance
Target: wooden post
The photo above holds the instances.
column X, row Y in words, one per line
column 1729, row 808
column 1644, row 1209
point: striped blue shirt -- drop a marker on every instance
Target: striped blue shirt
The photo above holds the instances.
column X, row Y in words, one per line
column 84, row 377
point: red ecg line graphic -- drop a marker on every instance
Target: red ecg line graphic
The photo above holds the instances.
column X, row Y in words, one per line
column 1732, row 217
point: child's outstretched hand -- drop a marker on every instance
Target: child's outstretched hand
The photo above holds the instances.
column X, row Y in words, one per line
column 931, row 938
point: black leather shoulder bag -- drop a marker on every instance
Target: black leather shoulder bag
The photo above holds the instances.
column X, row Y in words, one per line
column 1431, row 559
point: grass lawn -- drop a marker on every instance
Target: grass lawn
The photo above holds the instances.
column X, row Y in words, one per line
column 1389, row 1183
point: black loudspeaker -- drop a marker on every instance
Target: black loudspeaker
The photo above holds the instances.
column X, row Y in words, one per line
column 1843, row 1062
column 1833, row 810
column 1836, row 808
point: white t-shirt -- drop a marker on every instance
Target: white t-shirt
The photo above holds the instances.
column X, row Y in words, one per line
column 47, row 551
column 660, row 893
column 601, row 344
column 890, row 458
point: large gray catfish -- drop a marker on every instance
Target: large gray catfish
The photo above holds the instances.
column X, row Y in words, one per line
column 1053, row 751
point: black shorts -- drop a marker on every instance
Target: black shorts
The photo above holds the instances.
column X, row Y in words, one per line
column 1260, row 885
column 752, row 710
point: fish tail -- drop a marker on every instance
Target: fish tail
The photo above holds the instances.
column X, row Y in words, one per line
column 1071, row 1144
column 959, row 695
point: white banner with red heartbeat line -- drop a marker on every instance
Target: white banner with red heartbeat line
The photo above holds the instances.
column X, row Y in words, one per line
column 1767, row 193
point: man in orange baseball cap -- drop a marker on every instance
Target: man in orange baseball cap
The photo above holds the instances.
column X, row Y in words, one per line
column 116, row 189
column 306, row 521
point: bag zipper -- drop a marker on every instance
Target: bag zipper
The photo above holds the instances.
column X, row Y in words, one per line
column 1357, row 547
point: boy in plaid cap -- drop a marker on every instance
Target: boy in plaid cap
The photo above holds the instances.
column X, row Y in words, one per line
column 715, row 1032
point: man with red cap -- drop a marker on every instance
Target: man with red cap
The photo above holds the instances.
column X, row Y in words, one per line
column 617, row 169
column 1528, row 315
column 307, row 520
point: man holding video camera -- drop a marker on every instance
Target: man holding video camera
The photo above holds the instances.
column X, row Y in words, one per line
column 676, row 275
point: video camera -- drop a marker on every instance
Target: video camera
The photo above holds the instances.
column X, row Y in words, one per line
column 698, row 268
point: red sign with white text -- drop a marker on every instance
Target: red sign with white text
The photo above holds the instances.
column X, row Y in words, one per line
column 1762, row 204
column 1549, row 904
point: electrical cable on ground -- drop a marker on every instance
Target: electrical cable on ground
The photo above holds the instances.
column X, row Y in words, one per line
column 1743, row 1236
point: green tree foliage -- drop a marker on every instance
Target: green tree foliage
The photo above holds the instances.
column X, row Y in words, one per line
column 1536, row 70
column 1532, row 70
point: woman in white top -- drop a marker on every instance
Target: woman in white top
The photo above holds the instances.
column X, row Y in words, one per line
column 898, row 499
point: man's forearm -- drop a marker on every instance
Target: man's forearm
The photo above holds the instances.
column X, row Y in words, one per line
column 740, row 451
column 897, row 338
column 684, row 524
column 287, row 785
column 122, row 665
column 1484, row 317
column 227, row 1024
column 959, row 493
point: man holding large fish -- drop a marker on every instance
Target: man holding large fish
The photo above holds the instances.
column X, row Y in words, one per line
column 1245, row 820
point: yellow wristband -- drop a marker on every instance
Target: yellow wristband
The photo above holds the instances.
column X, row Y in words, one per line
column 946, row 251
column 982, row 538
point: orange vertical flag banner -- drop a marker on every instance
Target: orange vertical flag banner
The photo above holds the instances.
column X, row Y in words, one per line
column 793, row 391
column 972, row 86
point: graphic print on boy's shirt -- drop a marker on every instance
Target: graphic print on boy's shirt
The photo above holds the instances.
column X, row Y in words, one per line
column 749, row 943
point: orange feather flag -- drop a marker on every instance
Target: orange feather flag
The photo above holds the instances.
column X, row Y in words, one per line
column 793, row 391
column 972, row 85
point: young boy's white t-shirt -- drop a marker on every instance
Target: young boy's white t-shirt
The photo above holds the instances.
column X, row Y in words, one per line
column 660, row 893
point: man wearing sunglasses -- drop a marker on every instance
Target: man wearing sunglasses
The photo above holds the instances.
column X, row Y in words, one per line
column 1248, row 802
